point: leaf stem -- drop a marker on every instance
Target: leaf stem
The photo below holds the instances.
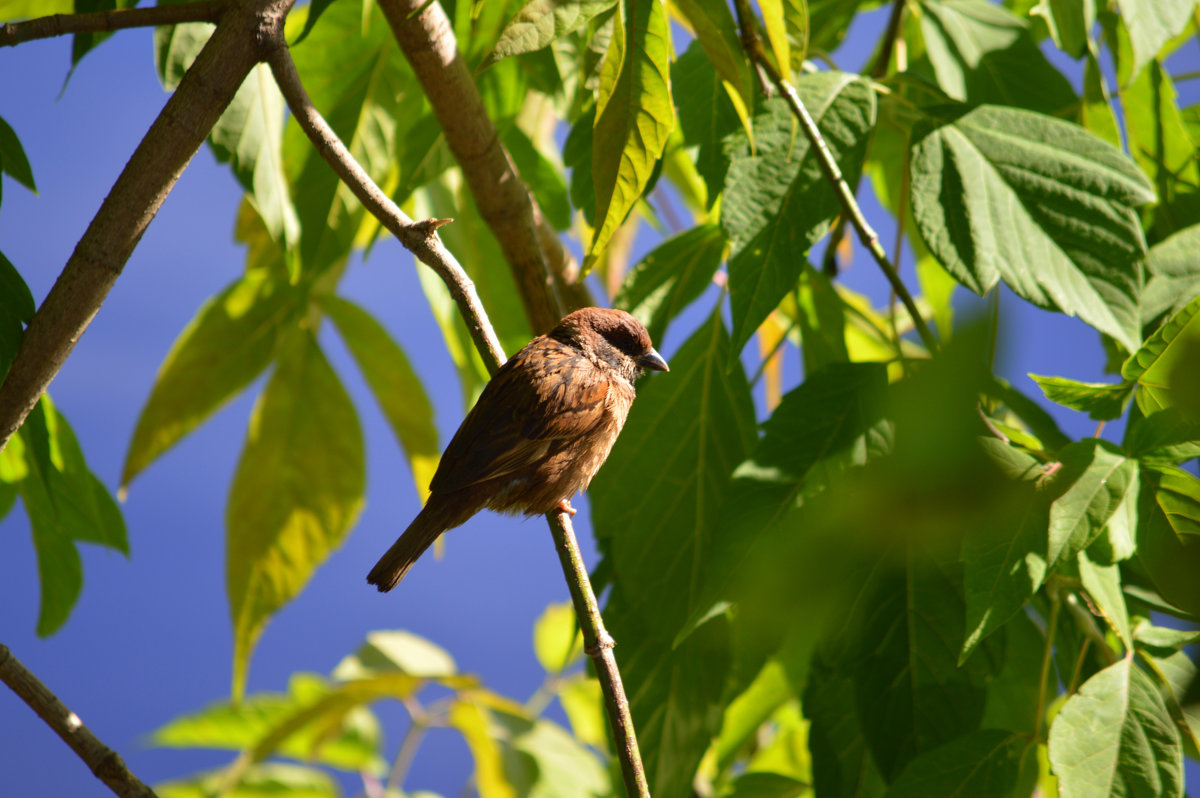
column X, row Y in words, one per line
column 867, row 235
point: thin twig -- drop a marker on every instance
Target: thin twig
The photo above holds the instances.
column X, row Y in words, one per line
column 598, row 644
column 870, row 239
column 1047, row 653
column 104, row 762
column 420, row 238
column 14, row 33
column 429, row 249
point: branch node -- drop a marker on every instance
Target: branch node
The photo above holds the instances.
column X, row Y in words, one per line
column 604, row 643
column 429, row 227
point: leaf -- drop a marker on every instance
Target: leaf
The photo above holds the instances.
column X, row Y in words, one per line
column 1115, row 737
column 583, row 702
column 748, row 711
column 983, row 763
column 264, row 780
column 1043, row 204
column 1170, row 559
column 1101, row 401
column 1151, row 24
column 297, row 490
column 1103, row 584
column 842, row 765
column 634, row 114
column 716, row 34
column 1152, row 365
column 13, row 160
column 315, row 9
column 1096, row 107
column 1173, row 274
column 396, row 386
column 313, row 721
column 396, row 651
column 557, row 641
column 540, row 22
column 15, row 297
column 983, row 53
column 706, row 116
column 761, row 784
column 777, row 203
column 1179, row 497
column 83, row 43
column 1167, row 435
column 1094, row 480
column 542, row 175
column 671, row 277
column 1070, row 23
column 228, row 343
column 685, row 434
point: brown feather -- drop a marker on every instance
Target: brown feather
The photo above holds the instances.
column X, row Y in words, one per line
column 540, row 431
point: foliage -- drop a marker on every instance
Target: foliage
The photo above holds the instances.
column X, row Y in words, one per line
column 898, row 577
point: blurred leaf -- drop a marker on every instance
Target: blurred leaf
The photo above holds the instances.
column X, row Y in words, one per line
column 1170, row 560
column 748, row 711
column 983, row 53
column 766, row 785
column 583, row 702
column 1159, row 142
column 396, row 651
column 540, row 22
column 1092, row 483
column 634, row 114
column 1115, row 737
column 1176, row 672
column 777, row 203
column 228, row 343
column 1103, row 584
column 1168, row 435
column 557, row 641
column 1071, row 240
column 1101, row 401
column 1179, row 497
column 1173, row 272
column 472, row 722
column 1151, row 24
column 785, row 751
column 543, row 177
column 265, row 780
column 315, row 9
column 1152, row 365
column 313, row 721
column 13, row 160
column 1070, row 23
column 687, row 431
column 671, row 277
column 297, row 490
column 396, row 386
column 706, row 115
column 983, row 764
column 472, row 374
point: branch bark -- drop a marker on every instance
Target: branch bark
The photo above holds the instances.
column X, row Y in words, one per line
column 421, row 239
column 14, row 33
column 538, row 261
column 135, row 198
column 104, row 762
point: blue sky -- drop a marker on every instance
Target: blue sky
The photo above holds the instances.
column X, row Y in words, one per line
column 150, row 637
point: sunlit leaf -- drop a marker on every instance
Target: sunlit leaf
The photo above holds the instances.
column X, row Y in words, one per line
column 539, row 22
column 1094, row 480
column 396, row 651
column 1151, row 24
column 265, row 780
column 1152, row 365
column 557, row 641
column 1100, row 400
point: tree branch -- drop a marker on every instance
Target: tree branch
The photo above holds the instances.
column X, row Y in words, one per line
column 14, row 33
column 538, row 261
column 421, row 240
column 104, row 762
column 130, row 206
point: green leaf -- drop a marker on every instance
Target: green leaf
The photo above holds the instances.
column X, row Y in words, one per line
column 396, row 651
column 634, row 114
column 1170, row 559
column 1103, row 584
column 1070, row 23
column 264, row 780
column 396, row 386
column 750, row 710
column 706, row 116
column 1166, row 436
column 1096, row 106
column 1070, row 238
column 543, row 177
column 223, row 349
column 842, row 765
column 763, row 784
column 315, row 9
column 15, row 297
column 83, row 43
column 1153, row 365
column 313, row 721
column 583, row 702
column 982, row 764
column 716, row 33
column 1162, row 637
column 1159, row 142
column 540, row 22
column 1094, row 480
column 1173, row 273
column 1115, row 737
column 1176, row 672
column 777, row 203
column 1151, row 24
column 297, row 490
column 1179, row 497
column 1101, row 401
column 12, row 158
column 983, row 53
column 671, row 277
column 557, row 641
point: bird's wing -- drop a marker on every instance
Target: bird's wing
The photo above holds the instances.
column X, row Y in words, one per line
column 546, row 392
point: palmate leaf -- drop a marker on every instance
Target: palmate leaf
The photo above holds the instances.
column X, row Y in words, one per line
column 297, row 490
column 1000, row 193
column 1116, row 737
column 634, row 114
column 777, row 203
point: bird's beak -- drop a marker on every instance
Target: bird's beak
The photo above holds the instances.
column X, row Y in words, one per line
column 653, row 360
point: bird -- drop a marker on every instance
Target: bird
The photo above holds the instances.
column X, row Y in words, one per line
column 541, row 429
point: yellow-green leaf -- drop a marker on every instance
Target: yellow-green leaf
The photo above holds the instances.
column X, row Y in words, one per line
column 298, row 488
column 556, row 638
column 634, row 114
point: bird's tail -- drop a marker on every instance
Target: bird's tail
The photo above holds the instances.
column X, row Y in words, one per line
column 394, row 564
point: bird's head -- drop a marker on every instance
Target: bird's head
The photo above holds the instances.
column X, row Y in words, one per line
column 612, row 336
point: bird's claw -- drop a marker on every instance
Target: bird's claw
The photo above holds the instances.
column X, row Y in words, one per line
column 564, row 506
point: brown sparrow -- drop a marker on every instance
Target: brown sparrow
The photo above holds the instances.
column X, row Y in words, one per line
column 541, row 429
